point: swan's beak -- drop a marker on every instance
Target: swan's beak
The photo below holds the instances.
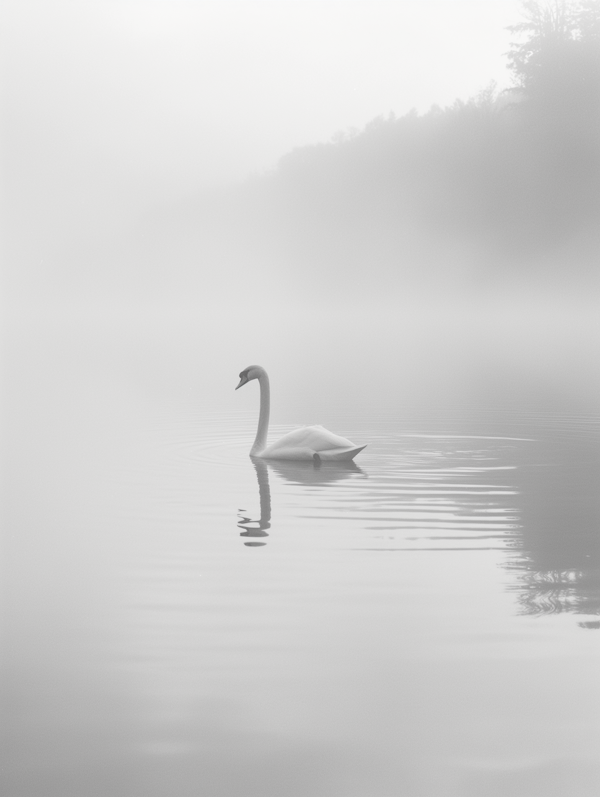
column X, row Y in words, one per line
column 243, row 381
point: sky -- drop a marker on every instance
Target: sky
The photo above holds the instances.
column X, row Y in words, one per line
column 171, row 95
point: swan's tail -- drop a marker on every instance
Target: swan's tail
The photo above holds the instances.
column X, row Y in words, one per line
column 337, row 454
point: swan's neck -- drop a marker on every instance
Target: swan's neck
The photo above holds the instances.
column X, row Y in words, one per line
column 260, row 442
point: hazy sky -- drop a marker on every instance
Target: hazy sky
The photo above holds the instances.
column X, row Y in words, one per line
column 179, row 94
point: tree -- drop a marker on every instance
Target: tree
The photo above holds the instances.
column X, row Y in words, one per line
column 559, row 60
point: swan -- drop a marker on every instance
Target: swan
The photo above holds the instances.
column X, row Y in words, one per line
column 309, row 442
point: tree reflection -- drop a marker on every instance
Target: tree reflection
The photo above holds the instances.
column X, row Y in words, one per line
column 554, row 591
column 558, row 563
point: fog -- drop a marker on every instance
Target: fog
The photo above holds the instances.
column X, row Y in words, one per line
column 118, row 117
column 360, row 197
column 289, row 152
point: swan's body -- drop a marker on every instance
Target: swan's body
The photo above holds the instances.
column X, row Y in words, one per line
column 309, row 442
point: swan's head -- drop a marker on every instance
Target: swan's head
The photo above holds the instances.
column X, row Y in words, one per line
column 251, row 372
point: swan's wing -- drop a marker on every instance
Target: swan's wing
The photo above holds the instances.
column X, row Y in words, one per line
column 321, row 439
column 314, row 438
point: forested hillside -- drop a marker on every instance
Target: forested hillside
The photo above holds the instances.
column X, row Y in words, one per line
column 507, row 180
column 500, row 188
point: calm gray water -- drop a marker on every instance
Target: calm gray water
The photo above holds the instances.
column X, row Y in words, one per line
column 179, row 620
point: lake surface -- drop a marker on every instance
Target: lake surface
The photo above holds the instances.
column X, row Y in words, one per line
column 182, row 620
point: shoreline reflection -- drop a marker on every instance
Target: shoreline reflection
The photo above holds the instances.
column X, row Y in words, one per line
column 557, row 567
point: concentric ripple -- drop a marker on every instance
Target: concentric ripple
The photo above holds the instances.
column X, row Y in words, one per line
column 408, row 490
column 423, row 492
column 405, row 491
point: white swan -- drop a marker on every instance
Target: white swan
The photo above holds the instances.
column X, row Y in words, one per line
column 309, row 442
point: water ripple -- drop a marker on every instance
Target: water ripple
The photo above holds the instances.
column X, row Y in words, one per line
column 407, row 491
column 420, row 489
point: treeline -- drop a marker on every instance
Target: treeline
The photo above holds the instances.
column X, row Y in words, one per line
column 508, row 177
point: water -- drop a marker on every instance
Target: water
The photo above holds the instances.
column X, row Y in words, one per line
column 181, row 620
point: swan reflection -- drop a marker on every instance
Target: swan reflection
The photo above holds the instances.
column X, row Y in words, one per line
column 294, row 472
column 299, row 472
column 258, row 528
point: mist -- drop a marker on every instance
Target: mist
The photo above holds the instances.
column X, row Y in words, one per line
column 146, row 145
column 393, row 208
